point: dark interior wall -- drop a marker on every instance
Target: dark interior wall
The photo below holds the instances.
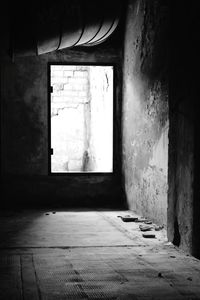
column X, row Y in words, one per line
column 145, row 108
column 24, row 122
column 184, row 204
column 24, row 128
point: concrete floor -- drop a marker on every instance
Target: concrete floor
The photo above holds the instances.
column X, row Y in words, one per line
column 89, row 255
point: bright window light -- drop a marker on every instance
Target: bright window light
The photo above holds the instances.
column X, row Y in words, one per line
column 81, row 118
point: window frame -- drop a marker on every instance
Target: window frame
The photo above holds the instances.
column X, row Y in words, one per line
column 114, row 171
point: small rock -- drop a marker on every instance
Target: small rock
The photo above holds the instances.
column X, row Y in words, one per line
column 47, row 214
column 145, row 227
column 149, row 235
column 148, row 222
column 172, row 256
column 128, row 219
column 160, row 275
column 189, row 278
column 157, row 228
column 141, row 220
column 168, row 244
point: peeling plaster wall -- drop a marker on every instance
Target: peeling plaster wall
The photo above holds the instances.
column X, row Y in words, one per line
column 145, row 109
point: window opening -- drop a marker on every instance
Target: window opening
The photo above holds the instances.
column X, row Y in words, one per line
column 81, row 122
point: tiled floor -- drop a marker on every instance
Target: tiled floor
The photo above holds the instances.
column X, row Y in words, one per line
column 90, row 255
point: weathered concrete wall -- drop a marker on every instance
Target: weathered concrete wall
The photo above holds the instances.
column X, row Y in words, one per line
column 145, row 109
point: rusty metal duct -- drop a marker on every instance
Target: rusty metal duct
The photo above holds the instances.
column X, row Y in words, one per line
column 44, row 27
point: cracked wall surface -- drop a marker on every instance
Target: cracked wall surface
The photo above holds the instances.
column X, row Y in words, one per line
column 145, row 110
